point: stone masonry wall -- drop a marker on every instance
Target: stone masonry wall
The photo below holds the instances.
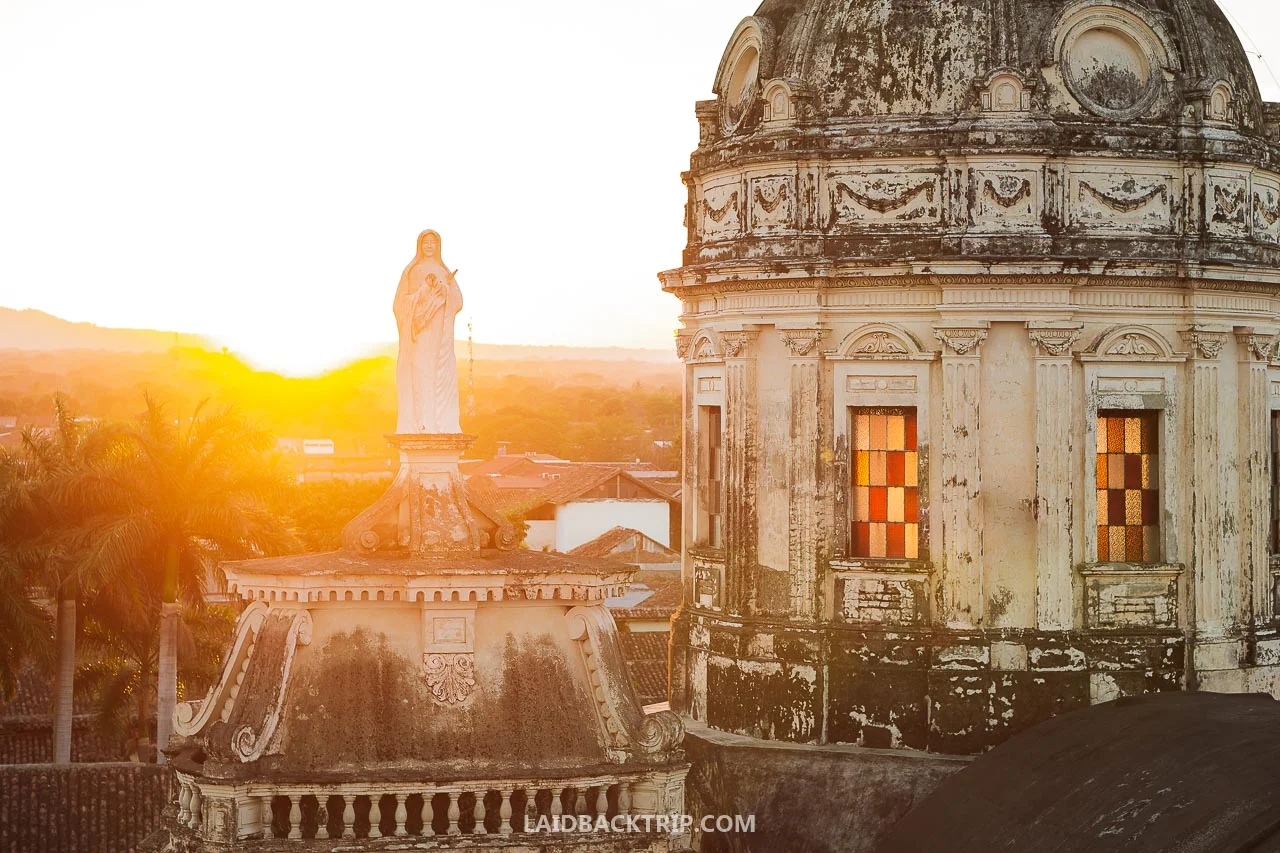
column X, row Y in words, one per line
column 86, row 808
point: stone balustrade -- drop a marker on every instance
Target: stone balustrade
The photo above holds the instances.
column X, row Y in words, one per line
column 219, row 812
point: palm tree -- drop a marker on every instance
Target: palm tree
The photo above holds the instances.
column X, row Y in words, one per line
column 47, row 521
column 24, row 624
column 191, row 495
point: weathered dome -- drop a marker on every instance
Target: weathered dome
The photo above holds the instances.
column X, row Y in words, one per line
column 1119, row 60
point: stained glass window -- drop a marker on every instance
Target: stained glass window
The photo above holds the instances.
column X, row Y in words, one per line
column 1275, row 482
column 886, row 495
column 1128, row 487
column 711, row 474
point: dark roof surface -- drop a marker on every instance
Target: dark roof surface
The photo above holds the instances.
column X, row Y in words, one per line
column 1163, row 773
column 517, row 562
column 570, row 485
column 646, row 656
column 608, row 543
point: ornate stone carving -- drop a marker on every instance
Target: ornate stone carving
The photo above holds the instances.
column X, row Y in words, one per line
column 247, row 744
column 1259, row 347
column 718, row 214
column 1127, row 198
column 683, row 344
column 450, row 676
column 190, row 717
column 1204, row 343
column 737, row 344
column 1010, row 190
column 884, row 199
column 962, row 340
column 1055, row 342
column 1133, row 344
column 879, row 343
column 802, row 342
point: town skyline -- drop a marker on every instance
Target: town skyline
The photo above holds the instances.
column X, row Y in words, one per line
column 543, row 144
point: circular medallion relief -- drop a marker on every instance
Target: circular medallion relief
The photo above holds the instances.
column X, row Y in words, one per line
column 1109, row 70
column 741, row 89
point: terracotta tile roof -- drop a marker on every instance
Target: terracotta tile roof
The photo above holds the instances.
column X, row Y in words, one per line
column 646, row 656
column 573, row 482
column 667, row 593
column 34, row 697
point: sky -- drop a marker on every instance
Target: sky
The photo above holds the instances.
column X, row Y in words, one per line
column 257, row 172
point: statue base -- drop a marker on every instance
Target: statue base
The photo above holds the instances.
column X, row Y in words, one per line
column 426, row 512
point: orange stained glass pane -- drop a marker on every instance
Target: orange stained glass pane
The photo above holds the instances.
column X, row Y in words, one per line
column 911, row 505
column 1133, row 435
column 1133, row 507
column 897, row 504
column 879, row 468
column 862, row 432
column 1150, row 431
column 1117, row 537
column 913, row 541
column 1102, row 506
column 896, row 545
column 861, row 503
column 1115, row 471
column 1115, row 435
column 1104, row 545
column 1102, row 471
column 879, row 431
column 862, row 469
column 1133, row 544
column 1102, row 435
column 879, row 540
column 1151, row 544
column 911, row 469
column 897, row 433
column 909, row 430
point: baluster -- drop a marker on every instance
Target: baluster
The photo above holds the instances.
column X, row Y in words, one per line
column 348, row 817
column 557, row 804
column 197, row 800
column 322, row 816
column 428, row 816
column 402, row 815
column 454, row 815
column 602, row 801
column 479, row 828
column 265, row 816
column 624, row 797
column 375, row 815
column 295, row 816
column 184, row 804
column 504, row 812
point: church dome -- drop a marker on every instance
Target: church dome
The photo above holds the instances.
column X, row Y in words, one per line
column 1125, row 60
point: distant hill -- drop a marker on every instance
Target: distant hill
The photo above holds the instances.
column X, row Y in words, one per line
column 35, row 330
column 40, row 332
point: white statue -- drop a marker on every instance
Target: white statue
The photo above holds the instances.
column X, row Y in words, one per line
column 427, row 301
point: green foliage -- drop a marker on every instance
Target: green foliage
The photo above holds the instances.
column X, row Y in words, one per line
column 317, row 512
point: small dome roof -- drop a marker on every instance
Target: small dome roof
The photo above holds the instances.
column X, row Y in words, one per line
column 1129, row 58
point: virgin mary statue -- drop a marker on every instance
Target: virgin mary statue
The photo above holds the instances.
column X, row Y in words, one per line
column 427, row 301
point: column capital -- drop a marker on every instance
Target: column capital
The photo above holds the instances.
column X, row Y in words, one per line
column 738, row 344
column 803, row 343
column 1206, row 342
column 1257, row 343
column 963, row 340
column 1054, row 340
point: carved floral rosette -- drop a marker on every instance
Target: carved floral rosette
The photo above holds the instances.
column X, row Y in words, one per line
column 451, row 677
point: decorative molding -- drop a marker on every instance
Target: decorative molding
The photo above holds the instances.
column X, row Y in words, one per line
column 246, row 744
column 737, row 344
column 450, row 676
column 189, row 718
column 1012, row 190
column 962, row 340
column 802, row 342
column 684, row 342
column 718, row 214
column 1256, row 345
column 1127, row 199
column 1205, row 343
column 1054, row 341
column 880, row 342
column 1123, row 343
column 769, row 205
column 886, row 203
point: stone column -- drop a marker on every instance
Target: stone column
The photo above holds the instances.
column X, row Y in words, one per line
column 739, row 511
column 1055, row 416
column 1256, row 348
column 1212, row 579
column 961, row 497
column 804, row 534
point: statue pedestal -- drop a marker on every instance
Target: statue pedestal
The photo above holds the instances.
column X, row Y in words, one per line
column 425, row 512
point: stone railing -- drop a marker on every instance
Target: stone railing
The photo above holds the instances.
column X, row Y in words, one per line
column 228, row 813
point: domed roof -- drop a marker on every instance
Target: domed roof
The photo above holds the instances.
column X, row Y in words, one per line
column 1119, row 59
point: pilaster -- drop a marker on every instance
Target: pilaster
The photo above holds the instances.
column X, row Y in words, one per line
column 805, row 534
column 1212, row 579
column 740, row 462
column 1256, row 347
column 1055, row 494
column 961, row 498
